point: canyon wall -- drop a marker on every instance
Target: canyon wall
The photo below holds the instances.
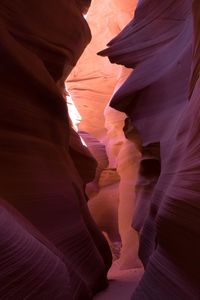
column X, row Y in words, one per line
column 157, row 45
column 50, row 246
column 140, row 120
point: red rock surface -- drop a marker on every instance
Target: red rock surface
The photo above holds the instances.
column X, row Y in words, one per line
column 37, row 174
column 50, row 246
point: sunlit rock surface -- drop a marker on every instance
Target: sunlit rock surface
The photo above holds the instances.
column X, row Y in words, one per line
column 124, row 157
column 110, row 205
column 92, row 82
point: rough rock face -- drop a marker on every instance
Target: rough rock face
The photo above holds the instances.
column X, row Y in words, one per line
column 37, row 174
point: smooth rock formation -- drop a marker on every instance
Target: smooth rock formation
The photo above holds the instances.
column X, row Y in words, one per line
column 158, row 47
column 104, row 205
column 109, row 206
column 97, row 149
column 84, row 162
column 124, row 156
column 149, row 171
column 93, row 80
column 173, row 268
column 157, row 44
column 37, row 175
column 31, row 268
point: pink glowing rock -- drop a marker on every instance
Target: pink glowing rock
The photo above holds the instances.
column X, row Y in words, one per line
column 124, row 156
column 91, row 85
column 93, row 80
column 104, row 204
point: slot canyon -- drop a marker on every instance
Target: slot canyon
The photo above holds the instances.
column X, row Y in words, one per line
column 100, row 150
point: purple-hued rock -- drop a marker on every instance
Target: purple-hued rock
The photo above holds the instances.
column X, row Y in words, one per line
column 82, row 157
column 157, row 44
column 173, row 268
column 31, row 268
column 40, row 44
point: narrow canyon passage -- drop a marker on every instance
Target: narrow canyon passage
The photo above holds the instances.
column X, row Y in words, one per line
column 99, row 150
column 111, row 194
column 136, row 146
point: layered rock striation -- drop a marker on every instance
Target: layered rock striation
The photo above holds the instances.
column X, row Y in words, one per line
column 40, row 44
column 157, row 45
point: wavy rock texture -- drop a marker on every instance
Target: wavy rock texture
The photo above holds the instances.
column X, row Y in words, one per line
column 97, row 149
column 83, row 160
column 157, row 43
column 104, row 204
column 93, row 80
column 124, row 156
column 37, row 174
column 173, row 269
column 30, row 267
column 91, row 85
